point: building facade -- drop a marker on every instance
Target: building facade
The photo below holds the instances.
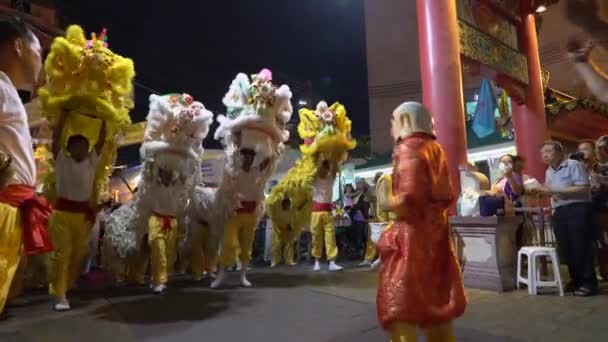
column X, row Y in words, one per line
column 394, row 70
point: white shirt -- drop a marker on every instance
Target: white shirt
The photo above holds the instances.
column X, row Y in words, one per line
column 75, row 180
column 15, row 138
column 323, row 190
column 165, row 199
column 569, row 173
column 250, row 189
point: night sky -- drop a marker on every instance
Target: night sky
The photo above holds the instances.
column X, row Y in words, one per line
column 198, row 47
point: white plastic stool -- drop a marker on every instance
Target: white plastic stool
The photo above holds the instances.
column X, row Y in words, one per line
column 533, row 280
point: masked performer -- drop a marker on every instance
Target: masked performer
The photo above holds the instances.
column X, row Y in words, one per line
column 171, row 155
column 420, row 285
column 252, row 132
column 87, row 99
column 309, row 184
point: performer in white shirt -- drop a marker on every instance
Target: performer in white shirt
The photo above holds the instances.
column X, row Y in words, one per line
column 321, row 220
column 74, row 217
column 20, row 64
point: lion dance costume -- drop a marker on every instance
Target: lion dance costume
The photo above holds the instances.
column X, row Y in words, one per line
column 252, row 132
column 87, row 84
column 308, row 187
column 171, row 155
column 420, row 284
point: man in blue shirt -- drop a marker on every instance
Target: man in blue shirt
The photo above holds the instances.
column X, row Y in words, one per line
column 567, row 183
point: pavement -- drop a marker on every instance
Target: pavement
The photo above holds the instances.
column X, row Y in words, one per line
column 290, row 304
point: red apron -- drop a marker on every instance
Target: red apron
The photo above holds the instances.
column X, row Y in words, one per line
column 35, row 212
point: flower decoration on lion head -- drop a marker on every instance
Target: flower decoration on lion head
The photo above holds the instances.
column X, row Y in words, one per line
column 256, row 104
column 176, row 123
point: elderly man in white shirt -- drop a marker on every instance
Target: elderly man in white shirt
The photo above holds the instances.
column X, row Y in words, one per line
column 20, row 65
column 567, row 183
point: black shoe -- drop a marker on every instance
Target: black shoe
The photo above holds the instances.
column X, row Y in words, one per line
column 585, row 291
column 571, row 287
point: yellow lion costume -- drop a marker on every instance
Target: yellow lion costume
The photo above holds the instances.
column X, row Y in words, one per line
column 326, row 132
column 92, row 84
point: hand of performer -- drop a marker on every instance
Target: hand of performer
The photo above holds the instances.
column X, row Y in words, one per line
column 57, row 133
column 101, row 140
column 579, row 50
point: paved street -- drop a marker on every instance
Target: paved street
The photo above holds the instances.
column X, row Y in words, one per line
column 291, row 305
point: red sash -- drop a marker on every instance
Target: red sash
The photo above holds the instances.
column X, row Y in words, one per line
column 247, row 207
column 35, row 212
column 167, row 220
column 316, row 206
column 85, row 208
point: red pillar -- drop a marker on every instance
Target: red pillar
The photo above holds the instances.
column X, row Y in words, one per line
column 442, row 78
column 529, row 119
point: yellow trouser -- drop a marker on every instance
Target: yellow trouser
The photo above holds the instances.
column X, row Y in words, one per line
column 10, row 248
column 199, row 263
column 403, row 332
column 322, row 229
column 70, row 233
column 18, row 283
column 238, row 234
column 162, row 243
column 283, row 239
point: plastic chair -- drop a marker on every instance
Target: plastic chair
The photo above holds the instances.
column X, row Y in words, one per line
column 533, row 279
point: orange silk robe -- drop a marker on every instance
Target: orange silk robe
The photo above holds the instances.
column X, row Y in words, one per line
column 420, row 281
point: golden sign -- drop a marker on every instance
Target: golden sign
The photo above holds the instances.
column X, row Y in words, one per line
column 489, row 51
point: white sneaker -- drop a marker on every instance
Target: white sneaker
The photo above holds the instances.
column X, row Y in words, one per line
column 61, row 305
column 244, row 280
column 317, row 267
column 219, row 279
column 239, row 266
column 159, row 289
column 334, row 267
column 365, row 263
column 376, row 264
column 273, row 265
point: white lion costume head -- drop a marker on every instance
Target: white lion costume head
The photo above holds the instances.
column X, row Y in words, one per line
column 256, row 119
column 171, row 154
